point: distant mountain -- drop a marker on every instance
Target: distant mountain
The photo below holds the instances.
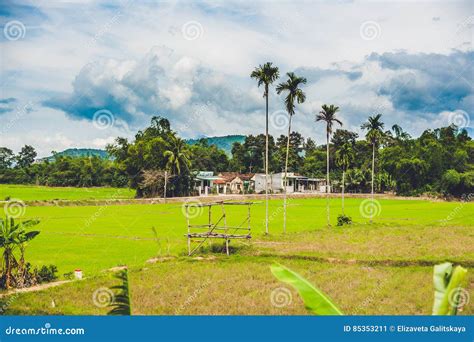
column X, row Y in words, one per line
column 80, row 152
column 225, row 143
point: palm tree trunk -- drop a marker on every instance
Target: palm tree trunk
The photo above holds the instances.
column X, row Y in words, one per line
column 286, row 172
column 327, row 177
column 266, row 160
column 164, row 190
column 343, row 176
column 373, row 168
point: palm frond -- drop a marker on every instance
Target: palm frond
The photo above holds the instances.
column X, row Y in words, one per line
column 121, row 305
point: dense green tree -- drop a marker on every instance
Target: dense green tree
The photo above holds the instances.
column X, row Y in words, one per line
column 26, row 157
column 6, row 158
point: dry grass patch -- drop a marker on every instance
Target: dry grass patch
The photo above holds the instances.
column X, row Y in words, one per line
column 244, row 286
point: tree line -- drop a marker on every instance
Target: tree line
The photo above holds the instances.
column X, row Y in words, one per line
column 439, row 161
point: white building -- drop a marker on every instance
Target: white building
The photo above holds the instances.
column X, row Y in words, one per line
column 204, row 182
column 296, row 183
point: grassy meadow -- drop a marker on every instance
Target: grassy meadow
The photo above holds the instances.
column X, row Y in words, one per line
column 384, row 267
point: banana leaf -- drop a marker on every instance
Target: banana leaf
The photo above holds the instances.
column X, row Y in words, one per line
column 315, row 301
column 446, row 280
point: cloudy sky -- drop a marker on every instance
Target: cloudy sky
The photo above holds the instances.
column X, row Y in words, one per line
column 79, row 73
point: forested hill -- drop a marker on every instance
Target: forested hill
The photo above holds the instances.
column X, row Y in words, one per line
column 224, row 143
column 80, row 152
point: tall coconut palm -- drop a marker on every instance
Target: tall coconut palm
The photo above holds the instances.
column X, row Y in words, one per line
column 328, row 115
column 344, row 158
column 177, row 156
column 292, row 87
column 374, row 127
column 265, row 75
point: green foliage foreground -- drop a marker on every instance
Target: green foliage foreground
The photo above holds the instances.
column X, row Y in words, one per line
column 447, row 283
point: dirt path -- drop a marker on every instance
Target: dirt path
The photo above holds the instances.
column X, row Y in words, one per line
column 35, row 288
column 209, row 198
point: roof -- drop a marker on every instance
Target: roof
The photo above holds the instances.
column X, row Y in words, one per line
column 230, row 176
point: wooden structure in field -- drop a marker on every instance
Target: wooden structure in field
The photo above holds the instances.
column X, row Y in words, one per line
column 198, row 234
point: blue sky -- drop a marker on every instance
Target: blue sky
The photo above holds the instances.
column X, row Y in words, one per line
column 66, row 63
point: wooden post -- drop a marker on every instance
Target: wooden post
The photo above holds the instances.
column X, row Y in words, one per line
column 227, row 246
column 248, row 217
column 166, row 179
column 189, row 231
column 210, row 217
column 225, row 218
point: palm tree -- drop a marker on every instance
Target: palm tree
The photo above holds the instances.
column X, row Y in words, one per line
column 328, row 115
column 344, row 158
column 374, row 127
column 294, row 94
column 177, row 157
column 266, row 74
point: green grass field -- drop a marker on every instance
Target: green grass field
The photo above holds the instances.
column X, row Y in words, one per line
column 45, row 193
column 384, row 267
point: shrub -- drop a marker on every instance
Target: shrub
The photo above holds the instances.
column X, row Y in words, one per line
column 47, row 273
column 343, row 219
